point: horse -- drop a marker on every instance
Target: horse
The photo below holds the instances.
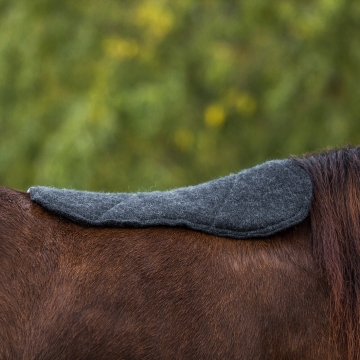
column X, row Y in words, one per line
column 70, row 291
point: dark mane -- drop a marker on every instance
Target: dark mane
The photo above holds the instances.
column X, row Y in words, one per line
column 335, row 223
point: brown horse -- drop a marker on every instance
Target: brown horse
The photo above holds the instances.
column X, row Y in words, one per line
column 74, row 292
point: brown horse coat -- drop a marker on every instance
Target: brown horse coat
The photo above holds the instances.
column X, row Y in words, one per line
column 71, row 292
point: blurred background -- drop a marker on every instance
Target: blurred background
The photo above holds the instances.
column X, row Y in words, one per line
column 155, row 94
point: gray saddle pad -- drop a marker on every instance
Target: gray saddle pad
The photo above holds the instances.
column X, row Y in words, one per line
column 255, row 202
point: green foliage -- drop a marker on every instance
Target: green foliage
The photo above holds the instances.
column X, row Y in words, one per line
column 154, row 94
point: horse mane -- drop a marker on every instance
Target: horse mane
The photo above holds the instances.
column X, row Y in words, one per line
column 335, row 228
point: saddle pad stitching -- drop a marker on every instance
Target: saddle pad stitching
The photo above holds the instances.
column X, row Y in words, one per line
column 85, row 221
column 220, row 208
column 223, row 203
column 274, row 225
column 296, row 215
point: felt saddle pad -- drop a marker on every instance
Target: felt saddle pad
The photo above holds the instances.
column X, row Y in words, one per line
column 256, row 202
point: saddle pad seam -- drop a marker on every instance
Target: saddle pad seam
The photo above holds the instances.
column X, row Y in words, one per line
column 223, row 203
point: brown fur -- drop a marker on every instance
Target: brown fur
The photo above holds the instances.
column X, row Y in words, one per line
column 70, row 292
column 335, row 229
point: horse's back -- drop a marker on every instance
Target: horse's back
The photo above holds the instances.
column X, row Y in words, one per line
column 69, row 291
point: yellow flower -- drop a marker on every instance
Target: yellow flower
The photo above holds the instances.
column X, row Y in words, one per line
column 156, row 19
column 120, row 48
column 241, row 101
column 245, row 104
column 214, row 115
column 184, row 139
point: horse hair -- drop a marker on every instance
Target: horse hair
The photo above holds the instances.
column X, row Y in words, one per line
column 335, row 224
column 73, row 292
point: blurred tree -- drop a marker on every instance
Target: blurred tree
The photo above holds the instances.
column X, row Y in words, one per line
column 145, row 94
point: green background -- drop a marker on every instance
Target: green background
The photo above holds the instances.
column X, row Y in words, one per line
column 154, row 94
